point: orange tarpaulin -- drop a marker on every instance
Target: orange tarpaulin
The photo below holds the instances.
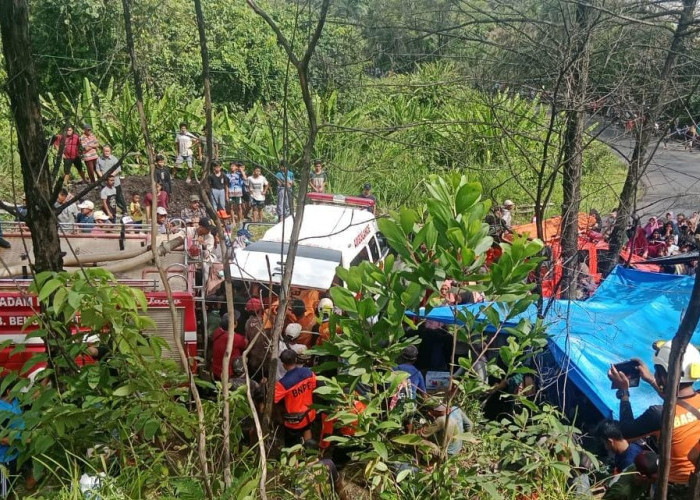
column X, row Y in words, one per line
column 552, row 227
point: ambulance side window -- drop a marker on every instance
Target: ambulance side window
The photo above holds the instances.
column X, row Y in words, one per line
column 363, row 255
column 374, row 249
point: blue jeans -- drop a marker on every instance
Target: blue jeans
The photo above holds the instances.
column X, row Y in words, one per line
column 284, row 202
column 218, row 199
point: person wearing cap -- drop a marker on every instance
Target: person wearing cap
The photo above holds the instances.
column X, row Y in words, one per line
column 86, row 218
column 506, row 214
column 285, row 183
column 367, row 195
column 89, row 144
column 108, row 195
column 218, row 187
column 447, row 427
column 102, row 221
column 104, row 164
column 237, row 180
column 219, row 342
column 685, row 447
column 318, row 178
column 161, row 174
column 71, row 153
column 408, row 358
column 162, row 200
column 195, row 211
column 295, row 390
column 162, row 220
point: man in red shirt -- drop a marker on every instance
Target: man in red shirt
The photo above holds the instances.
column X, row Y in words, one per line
column 296, row 391
column 71, row 153
column 219, row 339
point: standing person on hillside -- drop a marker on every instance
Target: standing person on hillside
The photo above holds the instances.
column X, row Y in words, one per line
column 218, row 185
column 685, row 448
column 202, row 147
column 258, row 190
column 162, row 175
column 136, row 210
column 71, row 154
column 237, row 180
column 319, row 178
column 184, row 142
column 367, row 195
column 89, row 144
column 285, row 183
column 162, row 200
column 108, row 195
column 507, row 211
column 104, row 163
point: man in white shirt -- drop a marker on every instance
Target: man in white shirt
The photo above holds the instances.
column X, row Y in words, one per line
column 184, row 142
column 258, row 186
column 104, row 163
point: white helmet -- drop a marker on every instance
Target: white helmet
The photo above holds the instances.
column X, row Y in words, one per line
column 325, row 305
column 293, row 330
column 691, row 360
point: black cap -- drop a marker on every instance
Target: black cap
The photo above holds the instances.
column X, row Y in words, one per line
column 205, row 222
column 318, row 162
column 367, row 186
column 410, row 353
column 160, row 157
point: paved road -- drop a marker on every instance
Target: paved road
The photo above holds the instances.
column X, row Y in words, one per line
column 672, row 179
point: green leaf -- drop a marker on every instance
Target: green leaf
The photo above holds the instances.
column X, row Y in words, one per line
column 344, row 299
column 410, row 439
column 49, row 288
column 122, row 391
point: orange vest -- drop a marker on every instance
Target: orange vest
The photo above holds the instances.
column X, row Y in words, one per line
column 686, row 434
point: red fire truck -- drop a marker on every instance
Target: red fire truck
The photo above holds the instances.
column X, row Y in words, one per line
column 123, row 250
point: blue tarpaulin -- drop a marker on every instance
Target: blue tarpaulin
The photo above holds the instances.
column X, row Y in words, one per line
column 630, row 310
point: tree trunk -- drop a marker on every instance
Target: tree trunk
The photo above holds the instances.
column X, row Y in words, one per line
column 138, row 88
column 26, row 110
column 573, row 152
column 302, row 67
column 659, row 101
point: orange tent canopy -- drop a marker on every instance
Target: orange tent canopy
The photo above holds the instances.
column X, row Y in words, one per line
column 552, row 227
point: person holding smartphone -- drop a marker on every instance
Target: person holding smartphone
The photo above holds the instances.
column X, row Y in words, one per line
column 685, row 442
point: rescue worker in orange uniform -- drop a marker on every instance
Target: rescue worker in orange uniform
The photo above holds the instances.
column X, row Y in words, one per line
column 686, row 426
column 295, row 389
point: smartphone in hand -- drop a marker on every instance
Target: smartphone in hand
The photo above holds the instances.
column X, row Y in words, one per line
column 629, row 368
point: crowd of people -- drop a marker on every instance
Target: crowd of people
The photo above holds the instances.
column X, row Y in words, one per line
column 235, row 194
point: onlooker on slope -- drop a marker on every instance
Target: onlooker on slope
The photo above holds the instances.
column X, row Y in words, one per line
column 106, row 162
column 318, row 178
column 89, row 144
column 162, row 175
column 258, row 190
column 108, row 195
column 285, row 184
column 367, row 194
column 184, row 142
column 71, row 154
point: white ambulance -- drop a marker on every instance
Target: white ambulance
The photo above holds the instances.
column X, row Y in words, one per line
column 336, row 231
